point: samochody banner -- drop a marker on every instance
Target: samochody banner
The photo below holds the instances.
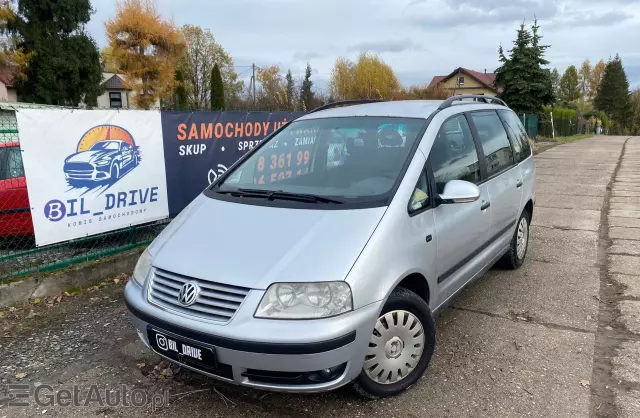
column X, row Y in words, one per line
column 200, row 146
column 92, row 171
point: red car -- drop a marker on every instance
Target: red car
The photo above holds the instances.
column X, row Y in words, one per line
column 15, row 211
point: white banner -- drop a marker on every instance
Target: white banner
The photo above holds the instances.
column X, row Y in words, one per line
column 92, row 171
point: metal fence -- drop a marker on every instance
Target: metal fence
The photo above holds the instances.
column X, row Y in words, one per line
column 19, row 255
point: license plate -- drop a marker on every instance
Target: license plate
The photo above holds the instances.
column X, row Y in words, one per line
column 182, row 351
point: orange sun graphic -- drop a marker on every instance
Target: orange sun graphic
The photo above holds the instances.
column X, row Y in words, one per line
column 104, row 133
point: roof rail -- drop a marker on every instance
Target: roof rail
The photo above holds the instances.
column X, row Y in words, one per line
column 449, row 102
column 345, row 103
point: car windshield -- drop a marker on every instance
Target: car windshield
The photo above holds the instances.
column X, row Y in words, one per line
column 349, row 158
column 106, row 145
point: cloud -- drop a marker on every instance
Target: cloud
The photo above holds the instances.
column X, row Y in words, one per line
column 391, row 45
column 590, row 19
column 459, row 13
column 306, row 56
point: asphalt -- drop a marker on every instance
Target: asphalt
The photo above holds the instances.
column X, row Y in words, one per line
column 558, row 338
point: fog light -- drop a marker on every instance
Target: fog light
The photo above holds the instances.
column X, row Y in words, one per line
column 325, row 373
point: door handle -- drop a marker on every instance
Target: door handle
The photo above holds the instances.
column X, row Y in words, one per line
column 519, row 184
column 485, row 206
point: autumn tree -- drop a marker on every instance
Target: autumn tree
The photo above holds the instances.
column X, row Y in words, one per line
column 368, row 78
column 217, row 89
column 635, row 112
column 584, row 79
column 146, row 48
column 57, row 62
column 272, row 95
column 11, row 54
column 526, row 84
column 306, row 94
column 202, row 52
column 342, row 79
column 289, row 91
column 596, row 77
column 569, row 85
column 421, row 92
column 613, row 96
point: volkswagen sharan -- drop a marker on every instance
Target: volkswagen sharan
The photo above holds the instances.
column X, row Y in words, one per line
column 321, row 258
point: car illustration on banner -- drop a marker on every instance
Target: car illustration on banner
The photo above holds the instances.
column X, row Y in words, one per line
column 103, row 156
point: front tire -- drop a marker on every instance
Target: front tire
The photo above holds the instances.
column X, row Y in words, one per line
column 400, row 347
column 519, row 245
column 114, row 172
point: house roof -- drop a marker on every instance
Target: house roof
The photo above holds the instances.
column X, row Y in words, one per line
column 8, row 75
column 115, row 82
column 486, row 79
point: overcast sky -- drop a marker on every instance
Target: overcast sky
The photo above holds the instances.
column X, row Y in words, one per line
column 418, row 38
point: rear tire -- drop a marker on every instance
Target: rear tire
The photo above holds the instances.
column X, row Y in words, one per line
column 402, row 343
column 519, row 245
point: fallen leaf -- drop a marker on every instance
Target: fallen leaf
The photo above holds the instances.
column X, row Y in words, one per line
column 12, row 309
column 58, row 299
column 116, row 281
column 21, row 375
column 140, row 365
column 1, row 314
column 36, row 301
column 585, row 383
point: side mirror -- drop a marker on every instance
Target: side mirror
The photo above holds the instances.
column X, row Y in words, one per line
column 459, row 191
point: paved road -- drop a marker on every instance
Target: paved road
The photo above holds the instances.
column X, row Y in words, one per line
column 558, row 338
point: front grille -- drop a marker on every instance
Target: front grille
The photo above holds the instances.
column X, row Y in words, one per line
column 216, row 301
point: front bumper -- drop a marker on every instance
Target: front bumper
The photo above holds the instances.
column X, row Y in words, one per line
column 272, row 347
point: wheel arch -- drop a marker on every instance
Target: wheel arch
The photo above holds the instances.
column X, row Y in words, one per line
column 529, row 208
column 418, row 284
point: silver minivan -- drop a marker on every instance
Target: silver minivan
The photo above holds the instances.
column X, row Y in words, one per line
column 321, row 258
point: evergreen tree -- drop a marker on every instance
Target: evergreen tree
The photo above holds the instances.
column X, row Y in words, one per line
column 217, row 89
column 64, row 66
column 180, row 94
column 569, row 85
column 306, row 95
column 289, row 91
column 613, row 96
column 526, row 85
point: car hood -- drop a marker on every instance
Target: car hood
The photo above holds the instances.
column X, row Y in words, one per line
column 90, row 156
column 253, row 246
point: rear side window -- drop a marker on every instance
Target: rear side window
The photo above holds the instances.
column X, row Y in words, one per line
column 498, row 153
column 521, row 142
column 454, row 155
column 11, row 163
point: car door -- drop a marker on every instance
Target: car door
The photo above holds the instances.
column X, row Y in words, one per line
column 522, row 153
column 503, row 178
column 461, row 229
column 15, row 212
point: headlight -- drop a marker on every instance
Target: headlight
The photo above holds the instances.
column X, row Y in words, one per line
column 305, row 300
column 102, row 162
column 142, row 268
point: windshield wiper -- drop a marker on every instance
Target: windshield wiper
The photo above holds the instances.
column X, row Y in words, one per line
column 279, row 194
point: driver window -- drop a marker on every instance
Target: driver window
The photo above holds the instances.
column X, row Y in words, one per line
column 453, row 154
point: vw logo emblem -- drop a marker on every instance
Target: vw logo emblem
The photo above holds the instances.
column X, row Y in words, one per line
column 188, row 294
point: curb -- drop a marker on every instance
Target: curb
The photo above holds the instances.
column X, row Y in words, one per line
column 78, row 276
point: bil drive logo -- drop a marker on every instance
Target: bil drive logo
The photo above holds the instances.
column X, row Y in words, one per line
column 104, row 155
